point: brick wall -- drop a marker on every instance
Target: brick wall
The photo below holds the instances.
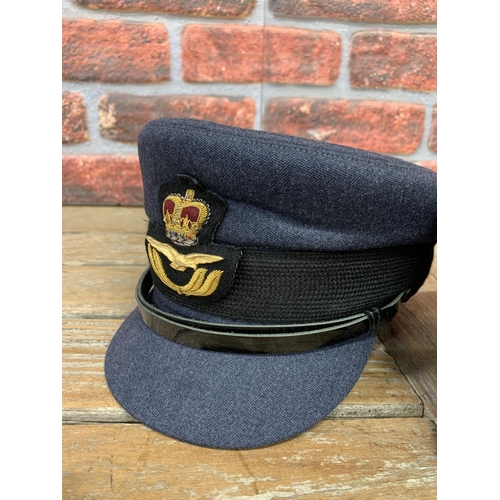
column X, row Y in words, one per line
column 355, row 72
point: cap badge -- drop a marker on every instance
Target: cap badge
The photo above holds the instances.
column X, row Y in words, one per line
column 184, row 216
column 188, row 266
column 197, row 285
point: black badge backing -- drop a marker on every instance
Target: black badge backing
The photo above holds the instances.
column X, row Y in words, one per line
column 184, row 260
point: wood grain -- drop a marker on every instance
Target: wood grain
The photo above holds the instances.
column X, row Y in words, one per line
column 99, row 291
column 82, row 219
column 358, row 459
column 112, row 249
column 411, row 338
column 433, row 270
column 430, row 284
column 381, row 391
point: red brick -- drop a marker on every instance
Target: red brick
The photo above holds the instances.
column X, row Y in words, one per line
column 122, row 116
column 301, row 56
column 222, row 53
column 380, row 126
column 115, row 51
column 430, row 164
column 74, row 118
column 231, row 9
column 432, row 143
column 102, row 179
column 393, row 60
column 376, row 11
column 252, row 54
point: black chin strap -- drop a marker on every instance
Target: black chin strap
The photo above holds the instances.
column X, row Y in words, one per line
column 257, row 338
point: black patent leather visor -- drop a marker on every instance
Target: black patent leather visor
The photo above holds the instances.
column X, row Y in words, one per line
column 257, row 338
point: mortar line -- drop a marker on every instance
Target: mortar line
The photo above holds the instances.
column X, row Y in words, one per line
column 261, row 97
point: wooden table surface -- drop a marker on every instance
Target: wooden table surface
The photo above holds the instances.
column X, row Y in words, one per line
column 380, row 442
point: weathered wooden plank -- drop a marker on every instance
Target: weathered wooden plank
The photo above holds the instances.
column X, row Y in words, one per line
column 433, row 270
column 430, row 284
column 382, row 391
column 358, row 459
column 89, row 330
column 411, row 338
column 82, row 219
column 99, row 291
column 104, row 249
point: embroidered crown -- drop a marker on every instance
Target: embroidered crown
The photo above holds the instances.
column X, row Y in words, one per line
column 184, row 216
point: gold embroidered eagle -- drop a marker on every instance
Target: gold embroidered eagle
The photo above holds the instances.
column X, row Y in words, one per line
column 179, row 261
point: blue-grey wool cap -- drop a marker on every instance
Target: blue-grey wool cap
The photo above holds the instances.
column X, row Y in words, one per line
column 273, row 260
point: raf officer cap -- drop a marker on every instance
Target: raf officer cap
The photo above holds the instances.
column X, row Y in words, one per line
column 273, row 261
